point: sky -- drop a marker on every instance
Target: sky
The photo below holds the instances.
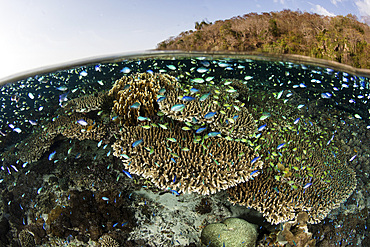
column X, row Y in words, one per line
column 37, row 33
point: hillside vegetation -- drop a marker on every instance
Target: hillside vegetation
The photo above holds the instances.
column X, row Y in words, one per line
column 341, row 38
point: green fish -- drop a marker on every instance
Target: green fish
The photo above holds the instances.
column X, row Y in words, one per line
column 204, row 97
column 264, row 116
column 197, row 80
column 163, row 126
column 172, row 139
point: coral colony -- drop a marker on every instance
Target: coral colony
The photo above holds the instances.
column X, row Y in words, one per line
column 173, row 133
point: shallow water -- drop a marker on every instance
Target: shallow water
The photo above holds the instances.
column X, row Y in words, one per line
column 180, row 143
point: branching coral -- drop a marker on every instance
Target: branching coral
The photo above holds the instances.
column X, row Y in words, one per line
column 302, row 173
column 108, row 241
column 137, row 94
column 87, row 103
column 71, row 125
column 217, row 106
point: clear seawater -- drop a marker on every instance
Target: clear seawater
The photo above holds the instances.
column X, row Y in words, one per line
column 78, row 192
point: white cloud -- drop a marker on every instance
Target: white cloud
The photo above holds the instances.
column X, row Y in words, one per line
column 322, row 11
column 363, row 7
column 335, row 2
column 281, row 1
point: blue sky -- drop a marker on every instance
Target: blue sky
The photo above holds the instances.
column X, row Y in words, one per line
column 36, row 33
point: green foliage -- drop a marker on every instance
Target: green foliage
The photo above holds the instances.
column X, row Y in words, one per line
column 273, row 28
column 200, row 25
column 339, row 38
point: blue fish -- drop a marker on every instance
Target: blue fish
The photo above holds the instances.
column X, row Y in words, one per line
column 63, row 97
column 136, row 143
column 296, row 121
column 326, row 95
column 200, row 130
column 161, row 98
column 105, row 198
column 125, row 70
column 135, row 105
column 209, row 115
column 280, row 145
column 174, row 179
column 211, row 134
column 178, row 107
column 188, row 98
column 162, row 91
column 62, row 88
column 254, row 172
column 140, row 118
column 32, row 122
column 52, row 155
column 175, row 192
column 82, row 122
column 353, row 157
column 254, row 160
column 18, row 130
column 307, row 185
column 262, row 127
column 127, row 173
column 193, row 90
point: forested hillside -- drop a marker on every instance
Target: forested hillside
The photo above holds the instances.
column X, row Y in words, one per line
column 341, row 38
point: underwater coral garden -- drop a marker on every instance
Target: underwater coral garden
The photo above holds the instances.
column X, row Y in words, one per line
column 151, row 152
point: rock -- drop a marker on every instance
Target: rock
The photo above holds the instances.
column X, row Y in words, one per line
column 232, row 232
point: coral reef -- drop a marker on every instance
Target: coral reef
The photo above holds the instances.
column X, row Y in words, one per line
column 296, row 233
column 136, row 95
column 300, row 176
column 89, row 213
column 230, row 232
column 342, row 230
column 108, row 241
column 217, row 105
column 204, row 206
column 172, row 158
column 26, row 239
column 303, row 171
column 70, row 125
column 87, row 103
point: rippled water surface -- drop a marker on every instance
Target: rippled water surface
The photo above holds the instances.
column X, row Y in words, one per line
column 152, row 151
